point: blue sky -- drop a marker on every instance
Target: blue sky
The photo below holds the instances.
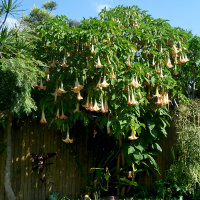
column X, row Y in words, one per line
column 182, row 13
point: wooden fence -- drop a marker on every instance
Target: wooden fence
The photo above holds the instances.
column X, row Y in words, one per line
column 67, row 174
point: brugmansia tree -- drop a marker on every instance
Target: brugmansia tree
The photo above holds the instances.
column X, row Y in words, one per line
column 119, row 72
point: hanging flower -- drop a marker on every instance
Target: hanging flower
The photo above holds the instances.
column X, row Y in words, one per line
column 159, row 101
column 55, row 94
column 153, row 62
column 64, row 62
column 96, row 107
column 135, row 83
column 43, row 119
column 104, row 83
column 48, row 77
column 133, row 137
column 161, row 74
column 175, row 61
column 158, row 69
column 87, row 105
column 77, row 87
column 99, row 65
column 113, row 74
column 91, row 107
column 77, row 108
column 61, row 89
column 67, row 140
column 134, row 102
column 92, row 50
column 175, row 51
column 63, row 116
column 41, row 87
column 129, row 62
column 157, row 93
column 175, row 71
column 168, row 62
column 79, row 97
column 57, row 114
column 129, row 97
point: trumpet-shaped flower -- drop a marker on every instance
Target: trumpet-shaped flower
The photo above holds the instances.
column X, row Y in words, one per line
column 92, row 50
column 158, row 69
column 153, row 62
column 63, row 116
column 135, row 83
column 161, row 73
column 104, row 83
column 168, row 62
column 48, row 77
column 79, row 97
column 99, row 65
column 77, row 108
column 113, row 74
column 175, row 71
column 157, row 93
column 61, row 89
column 43, row 119
column 57, row 114
column 87, row 105
column 78, row 87
column 41, row 86
column 129, row 62
column 67, row 140
column 96, row 107
column 133, row 137
column 64, row 62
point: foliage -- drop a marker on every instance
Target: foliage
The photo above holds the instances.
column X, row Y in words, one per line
column 118, row 62
column 50, row 5
column 183, row 176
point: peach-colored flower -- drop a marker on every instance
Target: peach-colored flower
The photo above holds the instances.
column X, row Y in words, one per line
column 61, row 89
column 153, row 62
column 99, row 65
column 161, row 73
column 43, row 119
column 91, row 107
column 168, row 62
column 48, row 77
column 79, row 97
column 87, row 105
column 134, row 102
column 135, row 83
column 159, row 101
column 78, row 87
column 129, row 62
column 67, row 140
column 41, row 86
column 104, row 83
column 175, row 61
column 157, row 93
column 158, row 69
column 63, row 116
column 92, row 50
column 113, row 74
column 175, row 51
column 64, row 62
column 57, row 114
column 77, row 108
column 96, row 107
column 175, row 71
column 133, row 137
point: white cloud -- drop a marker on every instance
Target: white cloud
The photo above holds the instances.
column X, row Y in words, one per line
column 11, row 22
column 99, row 7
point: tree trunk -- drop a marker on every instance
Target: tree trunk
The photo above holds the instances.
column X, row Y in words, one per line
column 7, row 182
